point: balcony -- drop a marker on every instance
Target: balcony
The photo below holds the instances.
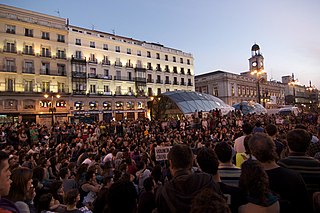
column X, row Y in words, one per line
column 5, row 68
column 175, row 83
column 118, row 64
column 139, row 79
column 28, row 52
column 93, row 61
column 150, row 81
column 158, row 81
column 53, row 72
column 123, row 78
column 76, row 74
column 11, row 31
column 140, row 69
column 158, row 69
column 167, row 82
column 182, row 72
column 92, row 75
column 167, row 70
column 45, row 37
column 129, row 65
column 106, row 77
column 189, row 72
column 105, row 62
column 78, row 59
column 11, row 49
column 190, row 84
column 79, row 92
column 28, row 70
column 29, row 34
column 149, row 68
column 61, row 56
column 175, row 71
column 60, row 40
column 183, row 84
column 46, row 55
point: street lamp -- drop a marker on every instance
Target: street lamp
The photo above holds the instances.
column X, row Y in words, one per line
column 293, row 83
column 311, row 89
column 258, row 72
column 52, row 109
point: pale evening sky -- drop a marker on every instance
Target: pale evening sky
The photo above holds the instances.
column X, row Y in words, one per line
column 218, row 33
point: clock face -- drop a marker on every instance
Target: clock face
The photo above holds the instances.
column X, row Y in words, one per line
column 254, row 64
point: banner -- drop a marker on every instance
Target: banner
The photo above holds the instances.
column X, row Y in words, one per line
column 162, row 152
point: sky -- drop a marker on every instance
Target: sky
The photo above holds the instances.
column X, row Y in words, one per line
column 218, row 33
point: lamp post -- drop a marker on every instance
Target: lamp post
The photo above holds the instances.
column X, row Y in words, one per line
column 258, row 72
column 293, row 83
column 311, row 89
column 52, row 109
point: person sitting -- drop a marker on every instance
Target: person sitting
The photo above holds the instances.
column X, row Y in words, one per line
column 176, row 195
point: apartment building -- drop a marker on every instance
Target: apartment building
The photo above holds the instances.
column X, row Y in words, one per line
column 96, row 75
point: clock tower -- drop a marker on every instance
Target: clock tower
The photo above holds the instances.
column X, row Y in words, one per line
column 256, row 62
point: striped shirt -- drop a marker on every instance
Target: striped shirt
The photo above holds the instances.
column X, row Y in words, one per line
column 308, row 167
column 230, row 175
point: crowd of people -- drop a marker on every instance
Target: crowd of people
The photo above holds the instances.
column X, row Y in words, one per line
column 216, row 163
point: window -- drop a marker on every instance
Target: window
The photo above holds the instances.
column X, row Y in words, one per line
column 148, row 54
column 139, row 64
column 188, row 61
column 174, row 59
column 61, row 69
column 215, row 91
column 92, row 88
column 150, row 93
column 10, row 85
column 11, row 29
column 28, row 67
column 45, row 86
column 149, row 79
column 129, row 76
column 182, row 81
column 117, row 49
column 175, row 81
column 181, row 60
column 166, row 57
column 189, row 82
column 61, row 87
column 158, row 55
column 149, row 67
column 28, row 86
column 78, row 54
column 45, row 35
column 138, row 52
column 61, row 54
column 105, row 46
column 106, row 72
column 182, row 70
column 28, row 49
column 10, row 47
column 93, row 70
column 175, row 70
column 118, row 75
column 159, row 91
column 92, row 44
column 232, row 90
column 189, row 71
column 45, row 68
column 28, row 32
column 78, row 41
column 92, row 58
column 167, row 68
column 10, row 65
column 128, row 51
column 60, row 38
column 118, row 92
column 106, row 88
column 158, row 67
column 45, row 52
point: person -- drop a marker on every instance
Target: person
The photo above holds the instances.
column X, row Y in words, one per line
column 71, row 199
column 46, row 201
column 272, row 131
column 309, row 168
column 176, row 195
column 21, row 184
column 5, row 205
column 67, row 183
column 208, row 163
column 258, row 127
column 89, row 189
column 281, row 180
column 142, row 174
column 229, row 173
column 99, row 204
column 209, row 201
column 254, row 182
column 238, row 143
column 147, row 201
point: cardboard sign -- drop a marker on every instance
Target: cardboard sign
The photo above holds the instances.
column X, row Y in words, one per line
column 162, row 152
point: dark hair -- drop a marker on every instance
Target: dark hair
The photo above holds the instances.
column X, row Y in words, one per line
column 254, row 180
column 298, row 140
column 247, row 128
column 89, row 175
column 38, row 173
column 263, row 147
column 208, row 201
column 71, row 196
column 63, row 172
column 122, row 197
column 181, row 156
column 208, row 160
column 271, row 129
column 54, row 187
column 3, row 156
column 20, row 177
column 246, row 144
column 44, row 202
column 148, row 184
column 223, row 151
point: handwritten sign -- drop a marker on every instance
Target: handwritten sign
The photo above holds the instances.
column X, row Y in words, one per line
column 162, row 152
